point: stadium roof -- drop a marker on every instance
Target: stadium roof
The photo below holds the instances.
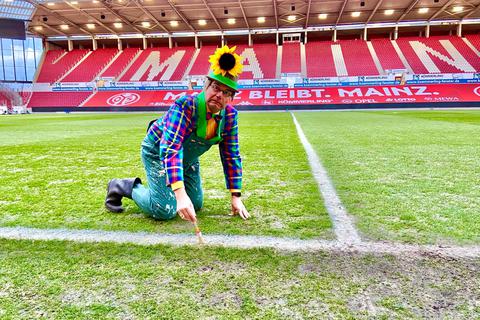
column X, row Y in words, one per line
column 174, row 17
column 16, row 9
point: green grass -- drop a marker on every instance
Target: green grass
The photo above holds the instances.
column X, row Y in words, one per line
column 106, row 281
column 408, row 176
column 55, row 168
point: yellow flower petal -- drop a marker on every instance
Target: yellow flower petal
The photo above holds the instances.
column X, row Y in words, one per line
column 215, row 58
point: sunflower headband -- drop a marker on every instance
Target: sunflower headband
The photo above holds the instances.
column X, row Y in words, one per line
column 225, row 60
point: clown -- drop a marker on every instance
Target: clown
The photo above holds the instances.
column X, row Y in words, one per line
column 173, row 144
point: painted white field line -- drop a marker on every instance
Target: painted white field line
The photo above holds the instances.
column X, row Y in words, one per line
column 342, row 223
column 236, row 241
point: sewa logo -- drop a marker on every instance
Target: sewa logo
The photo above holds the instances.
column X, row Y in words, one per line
column 477, row 91
column 123, row 99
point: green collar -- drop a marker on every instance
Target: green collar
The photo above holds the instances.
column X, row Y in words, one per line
column 202, row 119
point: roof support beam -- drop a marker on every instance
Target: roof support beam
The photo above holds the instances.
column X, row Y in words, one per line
column 276, row 14
column 341, row 12
column 90, row 16
column 308, row 13
column 441, row 10
column 150, row 15
column 119, row 16
column 58, row 16
column 53, row 29
column 379, row 2
column 471, row 12
column 244, row 15
column 172, row 5
column 213, row 16
column 410, row 7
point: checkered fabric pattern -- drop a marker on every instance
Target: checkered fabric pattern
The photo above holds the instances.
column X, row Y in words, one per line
column 178, row 124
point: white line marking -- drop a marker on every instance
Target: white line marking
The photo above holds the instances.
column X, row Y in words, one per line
column 235, row 241
column 342, row 223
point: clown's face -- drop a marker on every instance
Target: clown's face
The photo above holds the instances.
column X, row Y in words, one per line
column 217, row 96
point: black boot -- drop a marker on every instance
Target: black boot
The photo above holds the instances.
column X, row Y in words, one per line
column 116, row 190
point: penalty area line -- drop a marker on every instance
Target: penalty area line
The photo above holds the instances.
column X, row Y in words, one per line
column 237, row 242
column 342, row 223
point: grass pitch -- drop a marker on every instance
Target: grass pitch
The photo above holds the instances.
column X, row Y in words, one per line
column 410, row 176
column 56, row 168
column 407, row 176
column 106, row 281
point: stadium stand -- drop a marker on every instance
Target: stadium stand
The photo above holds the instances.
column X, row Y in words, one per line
column 57, row 63
column 358, row 59
column 386, row 54
column 439, row 54
column 474, row 39
column 155, row 64
column 291, row 58
column 58, row 99
column 266, row 55
column 5, row 101
column 89, row 68
column 50, row 57
column 434, row 55
column 258, row 61
column 201, row 65
column 319, row 58
column 120, row 63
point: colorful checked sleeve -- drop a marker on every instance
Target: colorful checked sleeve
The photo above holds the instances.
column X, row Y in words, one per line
column 176, row 125
column 230, row 151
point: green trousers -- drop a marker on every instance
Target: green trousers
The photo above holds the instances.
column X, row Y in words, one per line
column 157, row 199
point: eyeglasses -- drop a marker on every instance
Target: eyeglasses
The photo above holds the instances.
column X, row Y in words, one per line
column 226, row 93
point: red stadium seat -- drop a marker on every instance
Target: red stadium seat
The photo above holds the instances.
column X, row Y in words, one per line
column 57, row 63
column 358, row 60
column 388, row 57
column 91, row 66
column 320, row 59
column 291, row 58
column 438, row 55
column 201, row 65
column 156, row 64
column 120, row 63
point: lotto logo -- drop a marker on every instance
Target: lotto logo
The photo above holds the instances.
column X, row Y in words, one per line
column 123, row 99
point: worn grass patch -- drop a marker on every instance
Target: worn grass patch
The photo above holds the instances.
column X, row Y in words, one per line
column 56, row 167
column 106, row 281
column 404, row 175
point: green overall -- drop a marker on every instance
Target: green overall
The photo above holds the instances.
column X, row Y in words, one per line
column 158, row 200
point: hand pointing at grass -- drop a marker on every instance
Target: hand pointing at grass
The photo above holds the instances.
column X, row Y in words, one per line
column 185, row 208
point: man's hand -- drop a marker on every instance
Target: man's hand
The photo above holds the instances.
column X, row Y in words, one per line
column 185, row 206
column 239, row 208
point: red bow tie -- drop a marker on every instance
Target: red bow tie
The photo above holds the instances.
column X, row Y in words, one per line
column 217, row 117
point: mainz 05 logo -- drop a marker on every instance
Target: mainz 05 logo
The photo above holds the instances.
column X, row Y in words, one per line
column 477, row 91
column 123, row 99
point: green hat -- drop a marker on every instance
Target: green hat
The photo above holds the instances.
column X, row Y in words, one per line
column 225, row 67
column 231, row 83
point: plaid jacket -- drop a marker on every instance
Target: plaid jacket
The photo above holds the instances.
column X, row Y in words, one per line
column 177, row 125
